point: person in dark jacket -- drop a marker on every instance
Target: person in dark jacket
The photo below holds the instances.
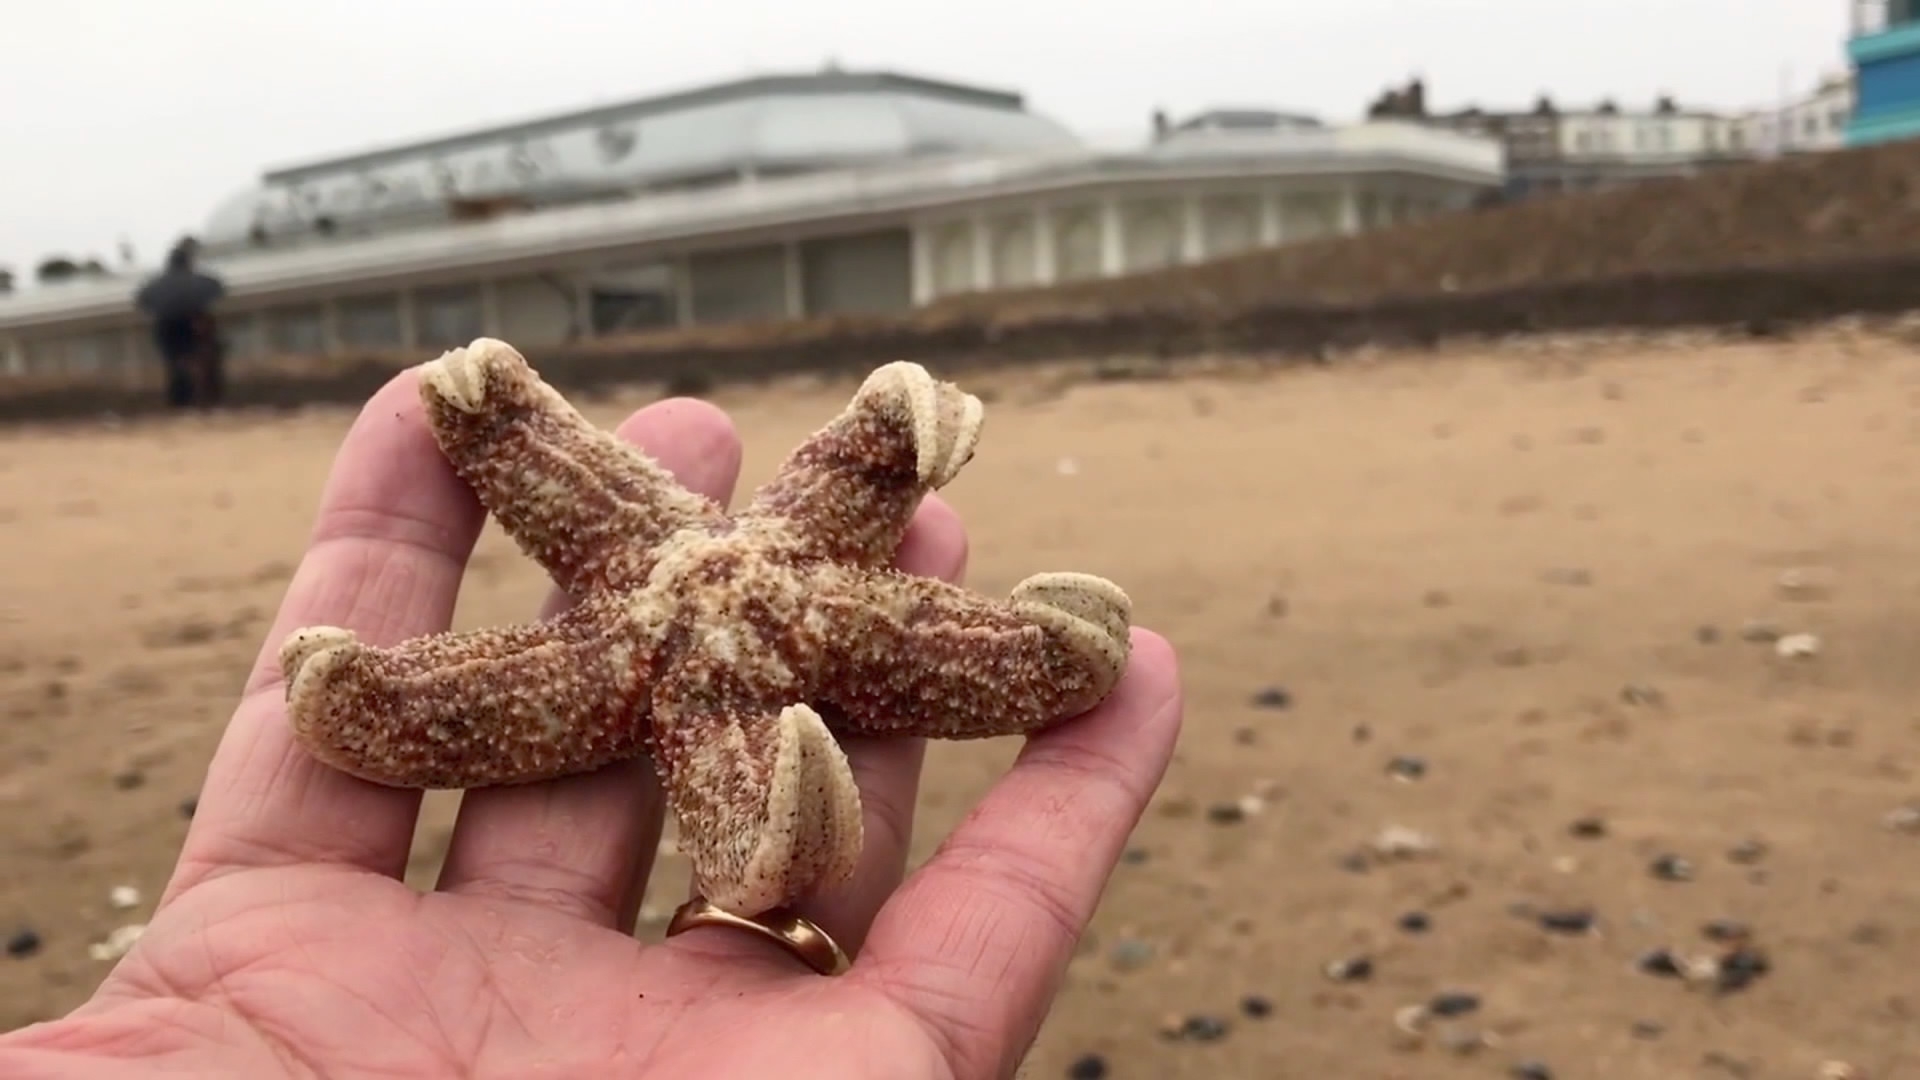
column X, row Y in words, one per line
column 180, row 302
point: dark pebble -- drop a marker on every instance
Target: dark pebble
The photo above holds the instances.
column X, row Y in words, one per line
column 1740, row 968
column 1361, row 733
column 24, row 943
column 1530, row 1070
column 1707, row 635
column 1747, row 852
column 189, row 806
column 1416, row 922
column 128, row 780
column 1088, row 1067
column 1226, row 813
column 1726, row 931
column 1204, row 1029
column 1255, row 1006
column 1567, row 922
column 1273, row 697
column 1453, row 1004
column 1134, row 856
column 1671, row 868
column 1648, row 1029
column 1659, row 962
column 1245, row 736
column 1587, row 828
column 1352, row 969
column 1407, row 767
column 1355, row 862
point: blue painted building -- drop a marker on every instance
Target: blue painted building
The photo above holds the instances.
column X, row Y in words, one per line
column 1885, row 51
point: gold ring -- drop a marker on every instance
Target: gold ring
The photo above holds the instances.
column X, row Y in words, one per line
column 791, row 932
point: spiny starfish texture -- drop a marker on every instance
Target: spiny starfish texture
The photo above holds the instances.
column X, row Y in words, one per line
column 731, row 648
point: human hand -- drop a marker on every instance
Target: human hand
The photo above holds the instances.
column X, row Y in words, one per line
column 286, row 943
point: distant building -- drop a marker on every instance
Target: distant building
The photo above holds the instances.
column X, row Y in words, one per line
column 1810, row 124
column 1553, row 148
column 1885, row 51
column 765, row 198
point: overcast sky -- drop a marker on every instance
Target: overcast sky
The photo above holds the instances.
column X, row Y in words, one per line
column 132, row 118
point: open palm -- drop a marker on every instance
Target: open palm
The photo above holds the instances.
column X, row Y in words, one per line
column 287, row 944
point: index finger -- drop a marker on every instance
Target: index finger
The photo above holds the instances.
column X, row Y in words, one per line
column 388, row 548
column 977, row 940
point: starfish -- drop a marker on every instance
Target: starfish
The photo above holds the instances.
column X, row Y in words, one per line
column 732, row 649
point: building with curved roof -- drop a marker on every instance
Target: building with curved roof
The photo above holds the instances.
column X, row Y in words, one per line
column 764, row 198
column 779, row 125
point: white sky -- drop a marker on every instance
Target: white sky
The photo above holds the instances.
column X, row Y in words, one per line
column 132, row 118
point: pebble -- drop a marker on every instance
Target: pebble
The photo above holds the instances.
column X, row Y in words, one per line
column 1588, row 828
column 189, row 806
column 1838, row 1070
column 1575, row 921
column 24, row 943
column 1453, row 1003
column 1740, row 968
column 1256, row 1007
column 1407, row 768
column 1087, row 1067
column 1647, row 1029
column 1400, row 842
column 128, row 779
column 1905, row 819
column 1203, row 1028
column 1416, row 922
column 1130, row 954
column 1567, row 575
column 1747, row 852
column 1706, row 634
column 1231, row 813
column 1530, row 1070
column 1273, row 697
column 123, row 897
column 1352, row 969
column 1797, row 646
column 1805, row 584
column 117, row 943
column 1642, row 694
column 1134, row 856
column 1726, row 931
column 1671, row 868
column 1759, row 632
column 1660, row 963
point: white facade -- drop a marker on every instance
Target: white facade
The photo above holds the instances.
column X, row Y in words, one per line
column 1813, row 123
column 879, row 235
column 1644, row 136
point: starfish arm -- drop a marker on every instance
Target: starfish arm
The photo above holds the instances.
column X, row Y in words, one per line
column 915, row 656
column 580, row 502
column 850, row 489
column 766, row 801
column 462, row 710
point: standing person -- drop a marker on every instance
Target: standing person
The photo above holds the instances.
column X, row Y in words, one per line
column 180, row 302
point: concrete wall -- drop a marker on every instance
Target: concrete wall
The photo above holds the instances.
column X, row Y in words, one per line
column 862, row 274
column 742, row 285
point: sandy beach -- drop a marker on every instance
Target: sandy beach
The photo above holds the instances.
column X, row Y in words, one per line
column 1535, row 609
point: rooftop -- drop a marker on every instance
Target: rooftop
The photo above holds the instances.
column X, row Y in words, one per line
column 775, row 124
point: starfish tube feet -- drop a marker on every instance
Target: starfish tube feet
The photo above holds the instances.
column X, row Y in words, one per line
column 914, row 656
column 767, row 805
column 580, row 502
column 470, row 709
column 849, row 491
